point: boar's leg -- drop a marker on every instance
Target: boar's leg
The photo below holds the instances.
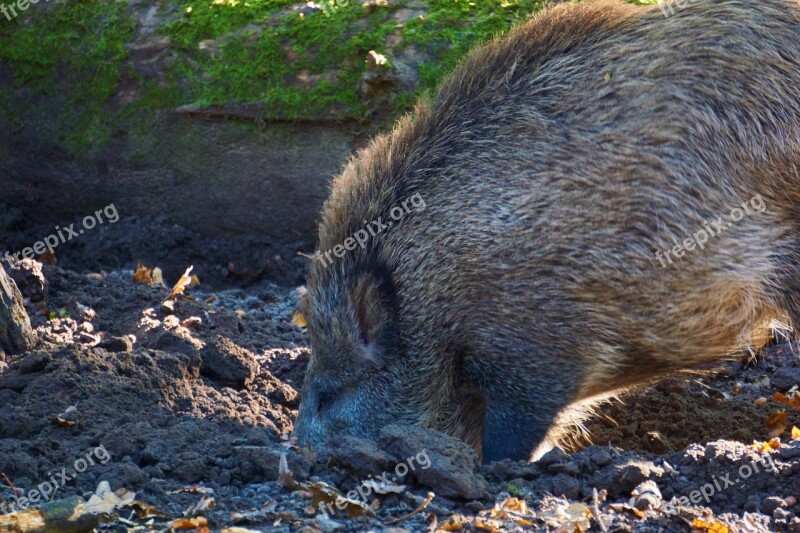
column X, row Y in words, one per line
column 522, row 403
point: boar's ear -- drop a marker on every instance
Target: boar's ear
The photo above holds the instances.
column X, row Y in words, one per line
column 374, row 303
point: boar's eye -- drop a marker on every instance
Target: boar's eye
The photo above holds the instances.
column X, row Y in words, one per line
column 324, row 400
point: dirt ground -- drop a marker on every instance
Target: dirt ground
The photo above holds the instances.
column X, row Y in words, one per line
column 190, row 406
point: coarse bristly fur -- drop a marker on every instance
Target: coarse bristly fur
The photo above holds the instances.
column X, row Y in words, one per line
column 553, row 163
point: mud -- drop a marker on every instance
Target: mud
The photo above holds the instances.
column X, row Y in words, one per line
column 202, row 393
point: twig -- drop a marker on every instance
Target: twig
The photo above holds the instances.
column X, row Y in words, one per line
column 597, row 499
column 13, row 489
column 416, row 511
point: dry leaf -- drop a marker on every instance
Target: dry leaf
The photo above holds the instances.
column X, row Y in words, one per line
column 145, row 511
column 766, row 447
column 150, row 277
column 512, row 509
column 487, row 525
column 206, row 502
column 190, row 523
column 792, row 401
column 299, row 319
column 193, row 489
column 184, row 281
column 454, row 523
column 255, row 515
column 776, row 423
column 69, row 418
column 104, row 501
column 712, row 527
column 326, row 494
column 795, row 433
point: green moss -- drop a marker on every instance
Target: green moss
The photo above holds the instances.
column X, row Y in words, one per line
column 260, row 68
column 73, row 54
column 514, row 491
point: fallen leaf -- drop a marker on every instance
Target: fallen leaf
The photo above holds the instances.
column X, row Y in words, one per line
column 766, row 447
column 512, row 509
column 145, row 511
column 69, row 418
column 206, row 502
column 795, row 433
column 792, row 401
column 299, row 319
column 776, row 423
column 151, row 277
column 184, row 281
column 329, row 496
column 190, row 523
column 104, row 501
column 193, row 489
column 454, row 523
column 255, row 515
column 712, row 527
column 487, row 525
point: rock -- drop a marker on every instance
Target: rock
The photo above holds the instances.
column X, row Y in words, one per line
column 556, row 455
column 566, row 486
column 223, row 360
column 35, row 362
column 627, row 477
column 770, row 503
column 360, row 456
column 436, row 460
column 647, row 495
column 786, row 377
column 16, row 335
column 117, row 344
column 568, row 467
column 327, row 524
column 28, row 274
column 790, row 450
column 599, row 455
column 80, row 312
column 167, row 307
column 193, row 322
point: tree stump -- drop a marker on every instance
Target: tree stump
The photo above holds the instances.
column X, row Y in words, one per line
column 16, row 335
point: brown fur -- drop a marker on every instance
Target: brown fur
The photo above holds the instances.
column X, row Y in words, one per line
column 554, row 163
